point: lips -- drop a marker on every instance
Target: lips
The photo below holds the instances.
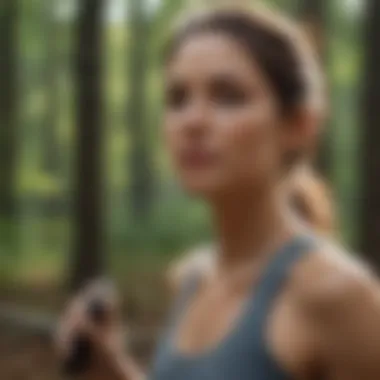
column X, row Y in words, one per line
column 197, row 158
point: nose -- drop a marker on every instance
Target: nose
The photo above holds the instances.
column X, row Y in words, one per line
column 196, row 118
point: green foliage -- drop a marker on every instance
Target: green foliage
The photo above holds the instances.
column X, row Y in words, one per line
column 175, row 222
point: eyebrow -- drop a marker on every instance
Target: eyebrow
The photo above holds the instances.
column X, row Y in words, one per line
column 221, row 77
column 228, row 77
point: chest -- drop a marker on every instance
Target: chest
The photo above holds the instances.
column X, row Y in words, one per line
column 255, row 333
column 227, row 336
column 211, row 318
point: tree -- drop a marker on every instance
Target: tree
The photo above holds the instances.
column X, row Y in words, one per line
column 88, row 260
column 370, row 221
column 50, row 152
column 162, row 19
column 141, row 171
column 8, row 133
column 8, row 106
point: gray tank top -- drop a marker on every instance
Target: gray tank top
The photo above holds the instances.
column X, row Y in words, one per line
column 243, row 354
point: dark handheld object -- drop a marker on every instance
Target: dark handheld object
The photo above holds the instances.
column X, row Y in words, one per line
column 80, row 356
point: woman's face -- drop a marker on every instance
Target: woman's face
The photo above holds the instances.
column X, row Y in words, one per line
column 222, row 122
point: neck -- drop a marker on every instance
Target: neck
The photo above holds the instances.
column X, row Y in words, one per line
column 249, row 224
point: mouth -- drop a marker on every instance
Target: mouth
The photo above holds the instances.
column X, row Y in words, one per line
column 197, row 158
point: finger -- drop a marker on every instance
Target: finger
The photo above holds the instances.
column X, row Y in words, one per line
column 107, row 340
column 66, row 332
column 78, row 318
column 69, row 321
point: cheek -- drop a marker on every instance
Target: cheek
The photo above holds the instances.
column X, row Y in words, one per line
column 252, row 142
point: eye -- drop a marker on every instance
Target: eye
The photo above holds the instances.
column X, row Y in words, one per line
column 176, row 97
column 227, row 93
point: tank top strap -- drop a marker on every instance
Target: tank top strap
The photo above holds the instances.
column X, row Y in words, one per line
column 187, row 290
column 181, row 301
column 275, row 276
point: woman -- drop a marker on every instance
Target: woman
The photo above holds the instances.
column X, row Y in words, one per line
column 244, row 103
column 309, row 198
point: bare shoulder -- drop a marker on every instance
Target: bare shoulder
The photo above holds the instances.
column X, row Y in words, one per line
column 196, row 260
column 331, row 281
column 339, row 296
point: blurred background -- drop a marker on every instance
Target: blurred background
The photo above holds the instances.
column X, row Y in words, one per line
column 85, row 184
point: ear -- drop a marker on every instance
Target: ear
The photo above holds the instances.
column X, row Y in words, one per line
column 301, row 131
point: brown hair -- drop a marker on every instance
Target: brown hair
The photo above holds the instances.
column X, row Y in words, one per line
column 291, row 67
column 281, row 50
column 311, row 198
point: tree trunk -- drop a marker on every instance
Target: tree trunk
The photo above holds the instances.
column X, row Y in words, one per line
column 8, row 106
column 89, row 229
column 370, row 221
column 51, row 151
column 141, row 173
column 8, row 135
column 313, row 15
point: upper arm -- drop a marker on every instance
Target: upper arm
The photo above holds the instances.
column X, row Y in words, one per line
column 347, row 316
column 352, row 332
column 339, row 299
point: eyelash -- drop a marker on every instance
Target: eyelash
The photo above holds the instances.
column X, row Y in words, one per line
column 229, row 96
column 177, row 98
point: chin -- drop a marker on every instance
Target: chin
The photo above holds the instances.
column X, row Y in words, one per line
column 205, row 190
column 203, row 185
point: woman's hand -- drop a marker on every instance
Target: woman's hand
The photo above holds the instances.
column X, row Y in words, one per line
column 90, row 336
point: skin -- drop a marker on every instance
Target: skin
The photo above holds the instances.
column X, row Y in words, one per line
column 228, row 139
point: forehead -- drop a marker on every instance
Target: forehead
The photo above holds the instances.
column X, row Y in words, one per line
column 212, row 53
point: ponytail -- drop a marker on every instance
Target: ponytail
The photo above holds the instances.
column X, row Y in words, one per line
column 312, row 200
